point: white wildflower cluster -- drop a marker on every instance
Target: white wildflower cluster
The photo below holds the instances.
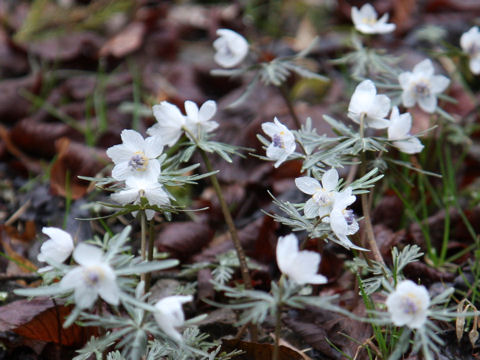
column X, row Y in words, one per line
column 372, row 109
column 137, row 161
column 95, row 274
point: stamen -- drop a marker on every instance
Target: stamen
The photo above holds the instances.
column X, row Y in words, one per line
column 409, row 306
column 422, row 89
column 278, row 141
column 93, row 275
column 349, row 216
column 138, row 161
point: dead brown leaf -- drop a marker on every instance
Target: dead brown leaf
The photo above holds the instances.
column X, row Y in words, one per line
column 74, row 159
column 41, row 319
column 184, row 239
column 125, row 42
column 257, row 351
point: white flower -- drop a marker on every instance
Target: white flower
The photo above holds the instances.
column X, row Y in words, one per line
column 422, row 86
column 365, row 21
column 283, row 141
column 92, row 278
column 342, row 220
column 136, row 156
column 365, row 102
column 198, row 121
column 470, row 43
column 58, row 247
column 399, row 132
column 321, row 202
column 170, row 314
column 231, row 48
column 300, row 266
column 408, row 304
column 136, row 188
column 170, row 123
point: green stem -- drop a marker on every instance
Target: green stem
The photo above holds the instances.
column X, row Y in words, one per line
column 228, row 219
column 143, row 243
column 288, row 102
column 365, row 203
column 278, row 320
column 148, row 275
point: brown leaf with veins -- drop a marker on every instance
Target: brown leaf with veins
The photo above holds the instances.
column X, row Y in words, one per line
column 41, row 319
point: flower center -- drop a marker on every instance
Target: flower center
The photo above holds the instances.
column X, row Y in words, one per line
column 278, row 140
column 322, row 197
column 409, row 305
column 422, row 89
column 349, row 216
column 369, row 21
column 93, row 275
column 138, row 161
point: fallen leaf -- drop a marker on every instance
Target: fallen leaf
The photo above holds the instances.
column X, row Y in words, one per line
column 257, row 351
column 74, row 159
column 125, row 42
column 183, row 239
column 41, row 319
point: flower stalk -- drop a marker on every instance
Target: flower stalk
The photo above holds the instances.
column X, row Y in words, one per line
column 143, row 239
column 286, row 98
column 228, row 219
column 365, row 203
column 278, row 320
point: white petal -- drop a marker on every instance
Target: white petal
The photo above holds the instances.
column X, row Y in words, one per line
column 330, row 180
column 475, row 65
column 338, row 223
column 87, row 255
column 125, row 196
column 132, row 140
column 85, row 296
column 287, row 248
column 409, row 146
column 311, row 209
column 380, row 106
column 121, row 171
column 153, row 147
column 72, row 279
column 428, row 103
column 439, row 83
column 424, row 68
column 405, row 79
column 207, row 110
column 108, row 288
column 307, row 184
column 192, row 110
column 270, row 128
column 157, row 196
column 305, row 267
column 408, row 98
column 119, row 153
